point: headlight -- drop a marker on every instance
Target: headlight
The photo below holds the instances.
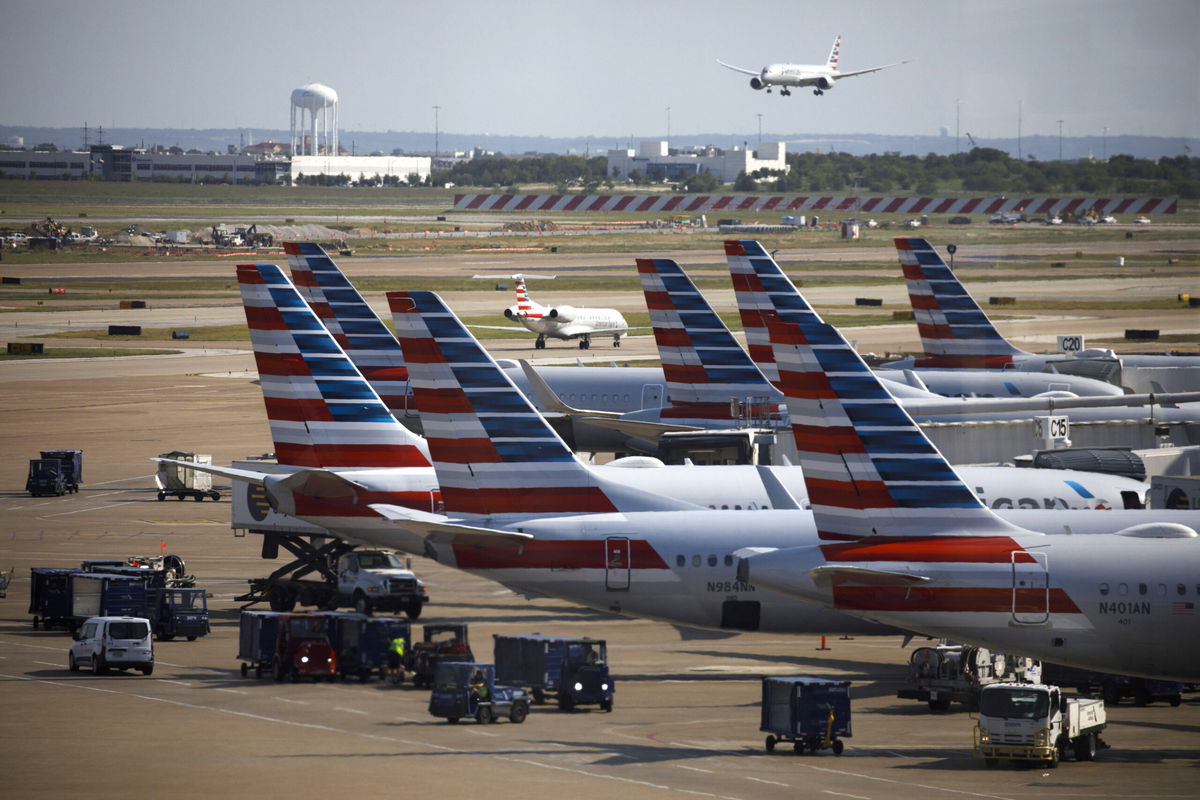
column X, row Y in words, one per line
column 579, row 687
column 984, row 737
column 374, row 589
column 1040, row 738
column 604, row 687
column 303, row 659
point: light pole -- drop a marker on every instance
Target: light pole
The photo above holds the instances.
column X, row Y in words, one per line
column 436, row 109
column 1104, row 151
column 760, row 128
column 1060, row 122
column 668, row 128
column 957, row 119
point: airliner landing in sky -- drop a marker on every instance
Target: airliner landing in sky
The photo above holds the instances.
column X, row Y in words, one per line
column 820, row 76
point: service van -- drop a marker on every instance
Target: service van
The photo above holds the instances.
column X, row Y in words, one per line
column 105, row 643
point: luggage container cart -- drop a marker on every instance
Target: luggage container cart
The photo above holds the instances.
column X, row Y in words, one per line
column 50, row 597
column 362, row 643
column 180, row 481
column 257, row 632
column 573, row 671
column 812, row 713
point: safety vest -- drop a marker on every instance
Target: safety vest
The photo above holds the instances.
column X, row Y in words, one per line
column 397, row 647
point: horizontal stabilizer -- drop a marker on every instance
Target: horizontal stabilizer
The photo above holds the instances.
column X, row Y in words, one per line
column 551, row 401
column 649, row 431
column 998, row 404
column 864, row 576
column 425, row 524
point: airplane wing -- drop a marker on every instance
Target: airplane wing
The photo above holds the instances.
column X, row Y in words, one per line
column 865, row 576
column 637, row 428
column 520, row 328
column 742, row 70
column 425, row 524
column 979, row 404
column 551, row 401
column 841, row 75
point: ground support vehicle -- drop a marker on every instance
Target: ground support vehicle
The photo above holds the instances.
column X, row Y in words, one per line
column 292, row 646
column 366, row 580
column 362, row 643
column 5, row 577
column 956, row 673
column 464, row 689
column 109, row 642
column 50, row 597
column 441, row 643
column 180, row 482
column 177, row 612
column 55, row 473
column 1034, row 722
column 573, row 671
column 1114, row 688
column 811, row 713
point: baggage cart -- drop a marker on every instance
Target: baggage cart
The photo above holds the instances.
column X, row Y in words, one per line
column 445, row 642
column 573, row 671
column 175, row 480
column 177, row 612
column 812, row 713
column 50, row 597
column 362, row 643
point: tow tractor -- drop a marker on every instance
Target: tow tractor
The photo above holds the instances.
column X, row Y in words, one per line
column 441, row 643
column 1035, row 722
column 464, row 689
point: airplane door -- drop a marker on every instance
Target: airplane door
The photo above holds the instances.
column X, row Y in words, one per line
column 616, row 564
column 652, row 395
column 1031, row 588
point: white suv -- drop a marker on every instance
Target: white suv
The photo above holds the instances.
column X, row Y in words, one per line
column 116, row 642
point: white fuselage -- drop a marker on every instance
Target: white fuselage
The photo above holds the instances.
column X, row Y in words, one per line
column 1110, row 603
column 798, row 75
column 568, row 322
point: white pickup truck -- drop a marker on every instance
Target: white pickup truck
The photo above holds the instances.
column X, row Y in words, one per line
column 1034, row 722
column 367, row 580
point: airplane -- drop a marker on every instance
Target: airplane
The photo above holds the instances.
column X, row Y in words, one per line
column 904, row 542
column 820, row 76
column 956, row 333
column 560, row 322
column 322, row 412
column 502, row 469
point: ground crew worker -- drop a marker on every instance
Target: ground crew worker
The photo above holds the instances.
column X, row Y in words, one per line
column 396, row 653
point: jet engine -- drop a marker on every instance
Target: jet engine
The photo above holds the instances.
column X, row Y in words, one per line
column 563, row 313
column 825, row 83
column 756, row 83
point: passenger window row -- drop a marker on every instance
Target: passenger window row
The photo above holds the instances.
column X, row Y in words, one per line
column 1143, row 589
column 699, row 560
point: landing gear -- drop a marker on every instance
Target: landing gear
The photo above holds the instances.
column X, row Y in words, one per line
column 617, row 340
column 818, row 92
column 785, row 92
column 585, row 343
column 540, row 344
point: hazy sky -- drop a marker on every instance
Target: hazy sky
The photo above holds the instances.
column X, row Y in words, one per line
column 609, row 68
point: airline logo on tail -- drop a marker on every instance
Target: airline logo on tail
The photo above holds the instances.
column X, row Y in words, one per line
column 525, row 307
column 702, row 362
column 368, row 343
column 954, row 329
column 493, row 452
column 322, row 412
column 832, row 62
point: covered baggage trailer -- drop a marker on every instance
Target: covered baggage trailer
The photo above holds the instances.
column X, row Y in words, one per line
column 72, row 466
column 175, row 480
column 574, row 671
column 362, row 643
column 257, row 633
column 812, row 713
column 50, row 597
column 292, row 646
column 98, row 594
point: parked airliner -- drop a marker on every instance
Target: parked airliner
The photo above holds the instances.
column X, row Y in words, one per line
column 820, row 76
column 561, row 322
column 903, row 541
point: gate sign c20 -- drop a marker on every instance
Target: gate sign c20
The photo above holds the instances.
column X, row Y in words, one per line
column 1070, row 344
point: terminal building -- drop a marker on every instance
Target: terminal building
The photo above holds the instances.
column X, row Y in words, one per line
column 656, row 161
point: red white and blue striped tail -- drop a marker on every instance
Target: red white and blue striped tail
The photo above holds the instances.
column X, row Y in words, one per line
column 869, row 469
column 955, row 331
column 493, row 452
column 322, row 412
column 763, row 293
column 356, row 327
column 524, row 304
column 701, row 360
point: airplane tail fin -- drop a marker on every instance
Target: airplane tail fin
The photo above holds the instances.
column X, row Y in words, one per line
column 525, row 306
column 357, row 329
column 702, row 362
column 321, row 411
column 763, row 292
column 834, row 54
column 493, row 452
column 955, row 331
column 869, row 469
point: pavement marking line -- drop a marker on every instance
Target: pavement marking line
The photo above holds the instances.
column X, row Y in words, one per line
column 231, row 691
column 764, row 780
column 347, row 710
column 83, row 510
column 906, row 783
column 364, row 735
column 289, row 700
column 480, row 733
column 843, row 794
column 50, row 663
column 177, row 683
column 693, row 769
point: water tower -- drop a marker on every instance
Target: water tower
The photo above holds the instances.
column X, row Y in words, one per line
column 320, row 103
